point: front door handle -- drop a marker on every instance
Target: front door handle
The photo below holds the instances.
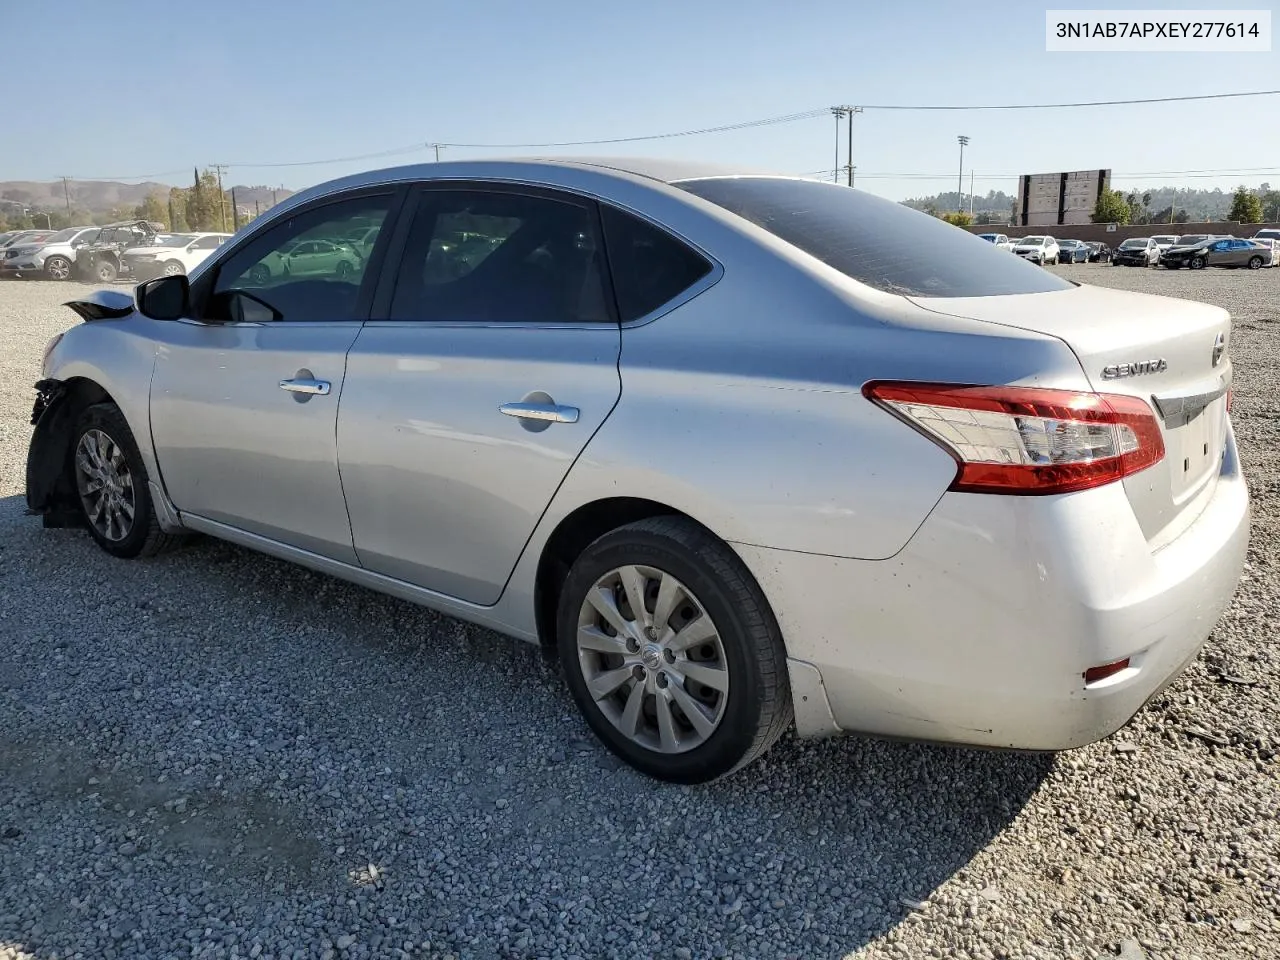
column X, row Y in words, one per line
column 305, row 385
column 551, row 412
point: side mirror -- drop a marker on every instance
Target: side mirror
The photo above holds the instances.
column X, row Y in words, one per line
column 164, row 298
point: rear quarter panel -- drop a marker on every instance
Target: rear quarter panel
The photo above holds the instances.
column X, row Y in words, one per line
column 743, row 408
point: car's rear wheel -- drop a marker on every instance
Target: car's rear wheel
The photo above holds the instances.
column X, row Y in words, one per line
column 57, row 268
column 111, row 485
column 671, row 651
column 173, row 268
column 104, row 271
column 259, row 273
column 1196, row 263
column 344, row 269
column 1255, row 263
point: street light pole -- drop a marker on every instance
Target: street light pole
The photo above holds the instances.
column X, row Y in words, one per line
column 960, row 180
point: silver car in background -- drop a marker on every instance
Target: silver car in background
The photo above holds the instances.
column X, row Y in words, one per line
column 743, row 450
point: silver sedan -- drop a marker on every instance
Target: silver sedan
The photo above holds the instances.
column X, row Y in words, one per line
column 732, row 445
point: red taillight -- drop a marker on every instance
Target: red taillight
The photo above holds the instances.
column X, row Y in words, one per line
column 1094, row 674
column 1028, row 440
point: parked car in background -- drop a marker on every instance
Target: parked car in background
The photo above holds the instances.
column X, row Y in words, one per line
column 1165, row 240
column 998, row 240
column 1136, row 252
column 1192, row 239
column 1267, row 233
column 171, row 254
column 1098, row 252
column 1041, row 250
column 27, row 236
column 53, row 258
column 1073, row 251
column 101, row 260
column 1220, row 252
column 1271, row 247
column 1021, row 565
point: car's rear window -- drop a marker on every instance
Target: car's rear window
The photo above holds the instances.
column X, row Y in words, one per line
column 875, row 241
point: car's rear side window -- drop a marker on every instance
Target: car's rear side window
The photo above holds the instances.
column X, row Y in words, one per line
column 875, row 241
column 649, row 266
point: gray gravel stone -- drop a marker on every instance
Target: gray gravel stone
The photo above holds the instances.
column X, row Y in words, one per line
column 214, row 751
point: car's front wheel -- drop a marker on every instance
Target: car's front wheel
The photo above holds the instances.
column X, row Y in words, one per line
column 671, row 651
column 111, row 485
column 1196, row 263
column 57, row 268
column 105, row 271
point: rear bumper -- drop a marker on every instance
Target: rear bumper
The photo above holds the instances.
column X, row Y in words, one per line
column 979, row 631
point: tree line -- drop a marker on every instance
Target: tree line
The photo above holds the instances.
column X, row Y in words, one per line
column 203, row 206
column 1247, row 206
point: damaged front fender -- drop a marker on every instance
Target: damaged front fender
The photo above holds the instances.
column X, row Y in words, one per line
column 50, row 492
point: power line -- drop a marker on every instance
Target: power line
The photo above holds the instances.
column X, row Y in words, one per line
column 1060, row 106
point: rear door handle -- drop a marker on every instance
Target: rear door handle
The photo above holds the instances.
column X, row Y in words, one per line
column 553, row 412
column 303, row 385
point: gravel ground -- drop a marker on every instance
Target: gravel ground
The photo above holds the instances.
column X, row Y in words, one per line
column 217, row 754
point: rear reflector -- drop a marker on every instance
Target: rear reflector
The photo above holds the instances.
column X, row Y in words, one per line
column 1094, row 674
column 1028, row 440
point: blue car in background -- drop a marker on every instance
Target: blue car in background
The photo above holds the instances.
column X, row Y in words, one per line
column 1073, row 251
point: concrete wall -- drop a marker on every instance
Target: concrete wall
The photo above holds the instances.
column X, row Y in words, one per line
column 1098, row 231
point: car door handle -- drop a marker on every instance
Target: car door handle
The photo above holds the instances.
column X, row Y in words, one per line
column 302, row 385
column 552, row 412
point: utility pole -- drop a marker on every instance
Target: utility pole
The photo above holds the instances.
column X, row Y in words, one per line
column 66, row 195
column 222, row 197
column 960, row 180
column 838, row 113
column 971, row 191
column 437, row 147
column 853, row 168
column 849, row 167
column 235, row 212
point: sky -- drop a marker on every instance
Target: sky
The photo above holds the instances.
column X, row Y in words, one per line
column 147, row 89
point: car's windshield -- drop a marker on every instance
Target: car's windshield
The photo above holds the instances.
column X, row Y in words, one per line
column 875, row 241
column 1193, row 238
column 62, row 236
column 1033, row 241
column 1131, row 244
column 173, row 239
column 988, row 236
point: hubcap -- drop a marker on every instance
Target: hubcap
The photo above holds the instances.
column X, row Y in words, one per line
column 59, row 269
column 105, row 485
column 653, row 660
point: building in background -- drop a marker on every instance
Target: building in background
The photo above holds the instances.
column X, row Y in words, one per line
column 1049, row 199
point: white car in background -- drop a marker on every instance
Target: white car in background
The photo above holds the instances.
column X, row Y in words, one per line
column 1041, row 250
column 172, row 255
column 51, row 258
column 998, row 240
column 1164, row 241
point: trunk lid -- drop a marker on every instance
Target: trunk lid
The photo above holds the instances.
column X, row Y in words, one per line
column 1174, row 354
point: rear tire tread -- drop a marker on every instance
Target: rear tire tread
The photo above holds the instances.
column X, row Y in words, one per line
column 762, row 638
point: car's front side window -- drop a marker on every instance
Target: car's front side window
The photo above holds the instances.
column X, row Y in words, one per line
column 267, row 268
column 497, row 256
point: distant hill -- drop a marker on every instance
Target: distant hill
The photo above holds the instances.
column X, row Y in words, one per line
column 100, row 196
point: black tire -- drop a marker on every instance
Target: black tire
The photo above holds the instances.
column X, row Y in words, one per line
column 57, row 268
column 104, row 271
column 144, row 538
column 344, row 269
column 1255, row 263
column 758, row 710
column 1196, row 263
